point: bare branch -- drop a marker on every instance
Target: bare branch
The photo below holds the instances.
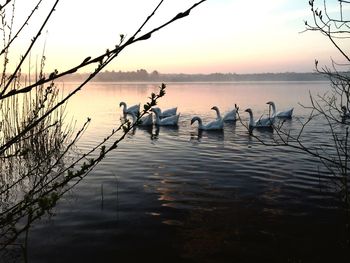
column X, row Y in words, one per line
column 21, row 28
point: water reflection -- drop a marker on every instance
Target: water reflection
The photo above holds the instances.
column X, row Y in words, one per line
column 214, row 135
column 150, row 131
column 219, row 196
column 173, row 130
column 154, row 132
column 268, row 129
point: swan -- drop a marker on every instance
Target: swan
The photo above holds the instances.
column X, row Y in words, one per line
column 167, row 121
column 144, row 121
column 135, row 109
column 214, row 125
column 261, row 122
column 166, row 113
column 230, row 116
column 280, row 114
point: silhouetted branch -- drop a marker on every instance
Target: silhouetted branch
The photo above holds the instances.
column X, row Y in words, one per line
column 13, row 75
column 103, row 61
column 5, row 4
column 106, row 57
column 147, row 19
column 21, row 28
column 53, row 189
column 325, row 26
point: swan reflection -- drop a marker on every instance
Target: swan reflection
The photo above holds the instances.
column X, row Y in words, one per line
column 154, row 131
column 216, row 135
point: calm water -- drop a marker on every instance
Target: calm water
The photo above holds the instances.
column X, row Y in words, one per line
column 169, row 195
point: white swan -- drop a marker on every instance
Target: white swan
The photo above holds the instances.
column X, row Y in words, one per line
column 166, row 113
column 135, row 109
column 144, row 121
column 230, row 116
column 261, row 122
column 280, row 114
column 214, row 125
column 168, row 121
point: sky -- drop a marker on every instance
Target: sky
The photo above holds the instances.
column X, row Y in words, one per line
column 228, row 36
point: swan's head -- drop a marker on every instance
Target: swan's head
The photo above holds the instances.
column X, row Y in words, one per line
column 122, row 104
column 248, row 110
column 270, row 103
column 215, row 108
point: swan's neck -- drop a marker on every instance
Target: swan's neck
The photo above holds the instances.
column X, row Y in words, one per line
column 218, row 115
column 157, row 116
column 123, row 104
column 200, row 124
column 251, row 119
column 273, row 109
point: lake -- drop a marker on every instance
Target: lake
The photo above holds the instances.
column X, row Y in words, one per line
column 173, row 195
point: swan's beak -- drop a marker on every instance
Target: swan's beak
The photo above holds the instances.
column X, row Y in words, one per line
column 247, row 110
column 269, row 102
column 212, row 108
column 192, row 122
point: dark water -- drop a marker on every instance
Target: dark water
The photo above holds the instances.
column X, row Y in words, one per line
column 173, row 196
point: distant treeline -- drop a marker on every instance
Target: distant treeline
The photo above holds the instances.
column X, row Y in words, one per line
column 155, row 76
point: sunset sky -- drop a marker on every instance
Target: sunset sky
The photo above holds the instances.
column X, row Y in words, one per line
column 219, row 36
